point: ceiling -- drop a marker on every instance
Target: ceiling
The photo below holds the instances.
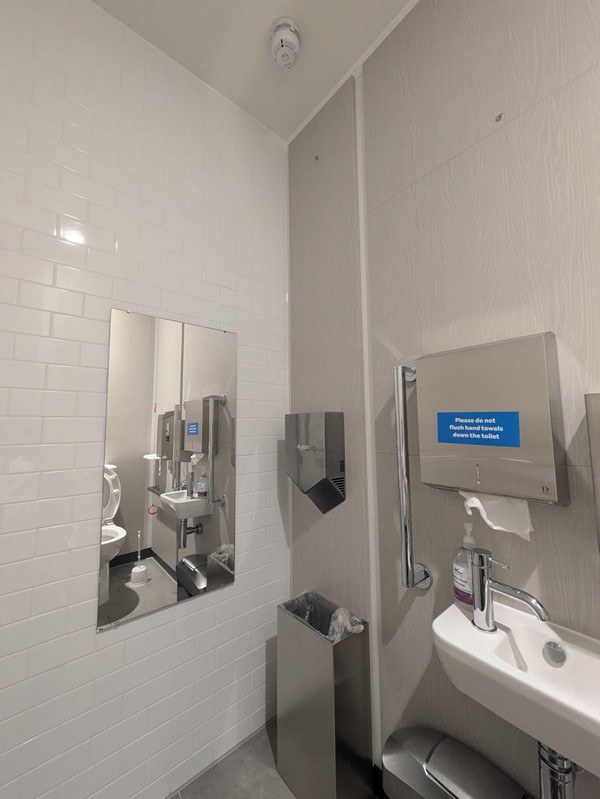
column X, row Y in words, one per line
column 226, row 44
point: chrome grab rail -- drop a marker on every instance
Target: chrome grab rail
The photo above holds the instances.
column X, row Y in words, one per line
column 213, row 401
column 414, row 575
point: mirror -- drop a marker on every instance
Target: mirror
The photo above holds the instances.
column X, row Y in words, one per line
column 168, row 498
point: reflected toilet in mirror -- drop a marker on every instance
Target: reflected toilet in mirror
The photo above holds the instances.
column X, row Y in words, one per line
column 169, row 502
column 113, row 536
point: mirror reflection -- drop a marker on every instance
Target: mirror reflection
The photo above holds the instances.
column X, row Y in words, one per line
column 168, row 500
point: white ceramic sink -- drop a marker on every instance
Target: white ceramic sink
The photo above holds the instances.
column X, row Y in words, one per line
column 184, row 507
column 515, row 676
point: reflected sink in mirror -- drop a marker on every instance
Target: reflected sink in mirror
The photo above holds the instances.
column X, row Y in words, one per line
column 183, row 507
column 170, row 430
column 539, row 676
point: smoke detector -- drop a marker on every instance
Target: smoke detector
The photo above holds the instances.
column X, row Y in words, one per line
column 285, row 42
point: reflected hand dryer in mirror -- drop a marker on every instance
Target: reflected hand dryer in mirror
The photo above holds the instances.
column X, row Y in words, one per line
column 315, row 459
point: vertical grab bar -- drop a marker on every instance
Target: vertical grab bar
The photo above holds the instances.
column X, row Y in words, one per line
column 414, row 575
column 213, row 401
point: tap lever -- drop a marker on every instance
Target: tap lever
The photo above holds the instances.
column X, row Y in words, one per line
column 484, row 587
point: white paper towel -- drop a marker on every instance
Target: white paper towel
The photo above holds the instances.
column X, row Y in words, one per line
column 501, row 513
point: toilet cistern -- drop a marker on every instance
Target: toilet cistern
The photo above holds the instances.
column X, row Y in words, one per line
column 484, row 588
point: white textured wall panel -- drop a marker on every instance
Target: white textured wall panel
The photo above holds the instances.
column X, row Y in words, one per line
column 479, row 232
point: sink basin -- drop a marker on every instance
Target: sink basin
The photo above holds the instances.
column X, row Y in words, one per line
column 514, row 674
column 179, row 504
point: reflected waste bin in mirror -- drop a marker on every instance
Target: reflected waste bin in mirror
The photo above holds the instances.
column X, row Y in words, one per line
column 323, row 700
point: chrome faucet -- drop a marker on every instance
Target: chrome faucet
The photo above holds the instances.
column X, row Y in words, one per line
column 484, row 586
column 188, row 483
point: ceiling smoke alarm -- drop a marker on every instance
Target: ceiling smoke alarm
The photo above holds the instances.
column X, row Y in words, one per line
column 285, row 42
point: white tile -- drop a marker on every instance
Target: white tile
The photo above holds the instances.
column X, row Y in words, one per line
column 12, row 185
column 61, row 202
column 57, row 430
column 19, row 212
column 8, row 289
column 19, row 487
column 22, row 266
column 35, row 295
column 86, row 507
column 31, row 321
column 70, row 378
column 83, row 280
column 15, row 546
column 92, row 190
column 137, row 293
column 101, row 307
column 69, row 111
column 138, row 250
column 94, row 355
column 105, row 168
column 26, row 459
column 86, row 142
column 34, row 572
column 113, row 265
column 114, row 220
column 79, row 329
column 98, row 238
column 15, row 607
column 53, row 249
column 139, row 209
column 13, row 134
column 91, row 404
column 14, row 430
column 10, row 237
column 28, row 402
column 69, row 482
column 51, row 150
column 27, row 165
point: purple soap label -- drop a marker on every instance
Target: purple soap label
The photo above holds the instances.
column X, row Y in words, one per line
column 462, row 596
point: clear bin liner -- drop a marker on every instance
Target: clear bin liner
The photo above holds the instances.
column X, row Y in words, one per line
column 225, row 554
column 328, row 619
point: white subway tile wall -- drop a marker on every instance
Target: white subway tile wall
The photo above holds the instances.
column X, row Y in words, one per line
column 125, row 182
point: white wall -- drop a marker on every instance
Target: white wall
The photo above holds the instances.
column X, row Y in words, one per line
column 181, row 199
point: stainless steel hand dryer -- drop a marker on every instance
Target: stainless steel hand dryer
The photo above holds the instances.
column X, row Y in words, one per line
column 315, row 460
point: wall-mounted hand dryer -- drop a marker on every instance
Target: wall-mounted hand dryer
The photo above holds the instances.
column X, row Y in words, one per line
column 490, row 419
column 315, row 460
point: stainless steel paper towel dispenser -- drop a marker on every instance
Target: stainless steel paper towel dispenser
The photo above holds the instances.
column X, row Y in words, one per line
column 315, row 460
column 490, row 419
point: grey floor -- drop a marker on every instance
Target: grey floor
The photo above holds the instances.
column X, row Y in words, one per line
column 246, row 773
column 127, row 602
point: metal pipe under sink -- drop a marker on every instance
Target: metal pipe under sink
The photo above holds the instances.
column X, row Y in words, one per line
column 557, row 774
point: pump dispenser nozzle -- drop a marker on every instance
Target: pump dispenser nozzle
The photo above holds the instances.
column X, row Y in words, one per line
column 468, row 540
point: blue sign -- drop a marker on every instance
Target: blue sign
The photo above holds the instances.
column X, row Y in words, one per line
column 481, row 428
column 193, row 429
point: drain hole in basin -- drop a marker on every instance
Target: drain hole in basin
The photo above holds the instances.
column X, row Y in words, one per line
column 554, row 654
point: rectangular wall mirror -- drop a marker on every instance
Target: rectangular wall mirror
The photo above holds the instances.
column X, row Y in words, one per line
column 168, row 498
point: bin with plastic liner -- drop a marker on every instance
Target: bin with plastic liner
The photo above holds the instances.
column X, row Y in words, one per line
column 323, row 700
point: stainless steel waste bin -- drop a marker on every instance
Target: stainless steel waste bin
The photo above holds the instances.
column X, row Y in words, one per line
column 323, row 703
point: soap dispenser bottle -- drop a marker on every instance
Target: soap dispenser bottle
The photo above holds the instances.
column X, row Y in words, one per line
column 461, row 569
column 202, row 485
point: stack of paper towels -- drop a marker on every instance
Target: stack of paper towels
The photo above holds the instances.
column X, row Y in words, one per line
column 501, row 513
